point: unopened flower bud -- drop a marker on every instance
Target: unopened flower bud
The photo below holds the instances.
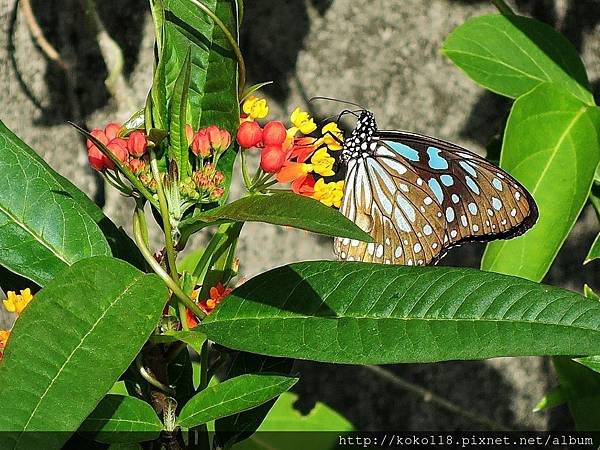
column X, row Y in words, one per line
column 249, row 134
column 189, row 133
column 112, row 130
column 272, row 159
column 118, row 147
column 274, row 133
column 98, row 160
column 137, row 144
column 217, row 193
column 218, row 177
column 201, row 144
column 220, row 139
column 137, row 166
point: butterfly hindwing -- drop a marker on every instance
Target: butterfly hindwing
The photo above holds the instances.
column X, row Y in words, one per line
column 417, row 196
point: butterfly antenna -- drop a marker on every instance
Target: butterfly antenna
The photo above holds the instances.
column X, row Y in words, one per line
column 331, row 99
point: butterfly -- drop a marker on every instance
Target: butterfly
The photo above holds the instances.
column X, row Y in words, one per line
column 417, row 196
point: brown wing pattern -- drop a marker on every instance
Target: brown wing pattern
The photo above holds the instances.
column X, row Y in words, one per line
column 418, row 196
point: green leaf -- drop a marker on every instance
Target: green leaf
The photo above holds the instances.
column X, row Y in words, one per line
column 285, row 209
column 589, row 293
column 591, row 362
column 242, row 425
column 511, row 55
column 285, row 418
column 127, row 446
column 594, row 252
column 186, row 27
column 78, row 334
column 582, row 387
column 121, row 244
column 363, row 313
column 178, row 116
column 552, row 146
column 44, row 229
column 232, row 396
column 555, row 397
column 120, row 418
column 220, row 105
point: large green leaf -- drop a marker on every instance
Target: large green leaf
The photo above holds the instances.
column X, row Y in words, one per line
column 188, row 27
column 121, row 244
column 121, row 418
column 232, row 396
column 70, row 345
column 178, row 118
column 242, row 425
column 362, row 313
column 594, row 251
column 284, row 418
column 552, row 146
column 220, row 105
column 511, row 55
column 581, row 387
column 285, row 209
column 44, row 229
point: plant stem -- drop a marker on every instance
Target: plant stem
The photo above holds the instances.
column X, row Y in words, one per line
column 166, row 218
column 429, row 396
column 247, row 180
column 171, row 284
column 149, row 378
column 503, row 7
column 232, row 42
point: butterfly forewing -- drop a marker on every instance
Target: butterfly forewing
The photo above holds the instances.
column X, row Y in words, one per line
column 417, row 196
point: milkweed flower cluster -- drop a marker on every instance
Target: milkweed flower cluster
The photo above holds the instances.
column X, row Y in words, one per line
column 217, row 294
column 206, row 182
column 291, row 155
column 14, row 303
column 206, row 145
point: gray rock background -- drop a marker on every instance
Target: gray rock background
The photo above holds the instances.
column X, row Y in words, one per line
column 382, row 54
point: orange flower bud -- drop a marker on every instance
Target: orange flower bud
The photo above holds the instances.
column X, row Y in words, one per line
column 201, row 144
column 249, row 134
column 217, row 193
column 220, row 140
column 189, row 133
column 97, row 159
column 274, row 133
column 137, row 144
column 272, row 158
column 112, row 130
column 137, row 166
column 218, row 177
column 118, row 147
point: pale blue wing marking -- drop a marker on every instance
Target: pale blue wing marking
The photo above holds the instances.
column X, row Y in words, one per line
column 447, row 180
column 468, row 167
column 472, row 185
column 403, row 150
column 437, row 190
column 435, row 160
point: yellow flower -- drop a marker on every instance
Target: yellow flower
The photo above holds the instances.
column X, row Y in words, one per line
column 328, row 130
column 17, row 303
column 322, row 163
column 3, row 338
column 303, row 122
column 329, row 194
column 255, row 108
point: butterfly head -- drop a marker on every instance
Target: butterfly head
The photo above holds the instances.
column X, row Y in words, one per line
column 359, row 141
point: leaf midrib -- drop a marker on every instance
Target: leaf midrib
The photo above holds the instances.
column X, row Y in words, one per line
column 404, row 319
column 52, row 250
column 77, row 347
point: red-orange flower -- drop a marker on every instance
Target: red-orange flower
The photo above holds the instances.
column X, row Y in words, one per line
column 217, row 294
column 108, row 137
